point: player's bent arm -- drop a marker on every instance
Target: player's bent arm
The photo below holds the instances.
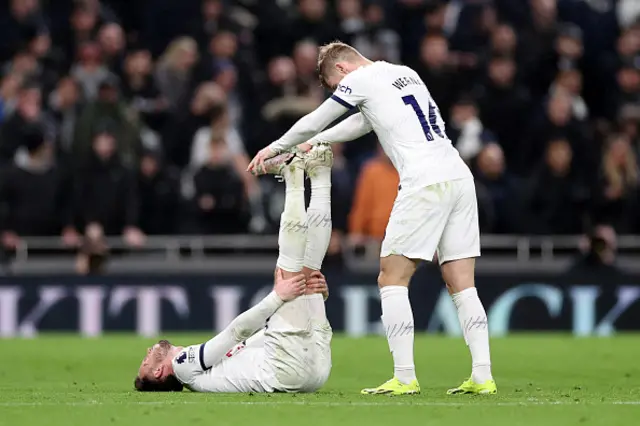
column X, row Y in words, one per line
column 309, row 125
column 240, row 329
column 347, row 130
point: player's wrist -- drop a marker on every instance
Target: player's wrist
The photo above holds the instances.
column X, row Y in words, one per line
column 274, row 298
column 275, row 148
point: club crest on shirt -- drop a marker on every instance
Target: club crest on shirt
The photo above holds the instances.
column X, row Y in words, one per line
column 180, row 358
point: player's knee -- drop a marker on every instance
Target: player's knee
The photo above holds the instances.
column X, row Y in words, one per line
column 459, row 275
column 395, row 272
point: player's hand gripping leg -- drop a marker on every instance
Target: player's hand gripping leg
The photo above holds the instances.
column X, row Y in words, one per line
column 289, row 289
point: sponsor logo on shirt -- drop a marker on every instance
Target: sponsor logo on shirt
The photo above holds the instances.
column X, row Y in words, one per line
column 192, row 355
column 344, row 89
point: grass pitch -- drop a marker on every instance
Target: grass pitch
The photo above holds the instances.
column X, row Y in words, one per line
column 542, row 380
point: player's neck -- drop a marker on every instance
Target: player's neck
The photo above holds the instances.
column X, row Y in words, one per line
column 363, row 62
column 173, row 352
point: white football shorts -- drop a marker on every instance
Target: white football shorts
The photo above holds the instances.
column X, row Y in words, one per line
column 441, row 218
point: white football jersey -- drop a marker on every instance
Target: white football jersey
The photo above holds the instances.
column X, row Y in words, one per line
column 242, row 370
column 406, row 120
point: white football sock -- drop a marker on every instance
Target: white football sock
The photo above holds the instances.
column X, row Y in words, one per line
column 292, row 237
column 473, row 320
column 318, row 218
column 397, row 318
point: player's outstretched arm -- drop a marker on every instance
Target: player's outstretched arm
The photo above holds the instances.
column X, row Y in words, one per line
column 347, row 130
column 304, row 129
column 252, row 320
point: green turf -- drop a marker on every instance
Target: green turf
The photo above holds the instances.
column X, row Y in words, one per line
column 543, row 380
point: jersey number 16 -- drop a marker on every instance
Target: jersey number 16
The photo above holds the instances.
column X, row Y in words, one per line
column 426, row 125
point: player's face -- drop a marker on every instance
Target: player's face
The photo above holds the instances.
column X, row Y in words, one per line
column 151, row 367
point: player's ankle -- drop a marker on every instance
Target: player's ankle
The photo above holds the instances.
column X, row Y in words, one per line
column 481, row 373
column 405, row 375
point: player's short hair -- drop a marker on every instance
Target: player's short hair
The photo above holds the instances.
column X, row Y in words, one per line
column 169, row 384
column 332, row 53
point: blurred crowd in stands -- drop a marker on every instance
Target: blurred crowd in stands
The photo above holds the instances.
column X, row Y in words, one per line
column 138, row 117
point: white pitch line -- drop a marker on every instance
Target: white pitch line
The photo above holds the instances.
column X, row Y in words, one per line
column 317, row 403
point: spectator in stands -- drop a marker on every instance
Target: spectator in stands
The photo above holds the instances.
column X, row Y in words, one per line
column 93, row 253
column 366, row 30
column 64, row 105
column 13, row 130
column 9, row 90
column 226, row 77
column 305, row 58
column 179, row 132
column 90, row 70
column 475, row 25
column 174, row 71
column 435, row 70
column 140, row 91
column 108, row 107
column 504, row 41
column 556, row 199
column 159, row 193
column 220, row 55
column 36, row 195
column 504, row 105
column 285, row 102
column 599, row 250
column 351, row 20
column 557, row 121
column 466, row 130
column 219, row 194
column 629, row 122
column 500, row 188
column 376, row 190
column 84, row 24
column 211, row 20
column 568, row 54
column 106, row 192
column 616, row 194
column 220, row 127
column 112, row 45
column 628, row 87
column 313, row 22
column 570, row 81
column 23, row 16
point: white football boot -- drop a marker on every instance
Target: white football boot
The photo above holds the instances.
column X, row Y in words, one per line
column 320, row 155
column 276, row 165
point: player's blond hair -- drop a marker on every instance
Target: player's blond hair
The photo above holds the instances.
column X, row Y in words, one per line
column 332, row 53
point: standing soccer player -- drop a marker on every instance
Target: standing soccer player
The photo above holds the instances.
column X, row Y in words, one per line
column 435, row 210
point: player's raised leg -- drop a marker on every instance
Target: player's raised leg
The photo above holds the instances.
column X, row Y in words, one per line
column 292, row 236
column 298, row 336
column 397, row 318
column 318, row 162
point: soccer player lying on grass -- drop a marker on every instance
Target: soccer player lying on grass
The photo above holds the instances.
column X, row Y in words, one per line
column 283, row 343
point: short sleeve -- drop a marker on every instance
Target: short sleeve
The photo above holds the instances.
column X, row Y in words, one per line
column 188, row 364
column 351, row 91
